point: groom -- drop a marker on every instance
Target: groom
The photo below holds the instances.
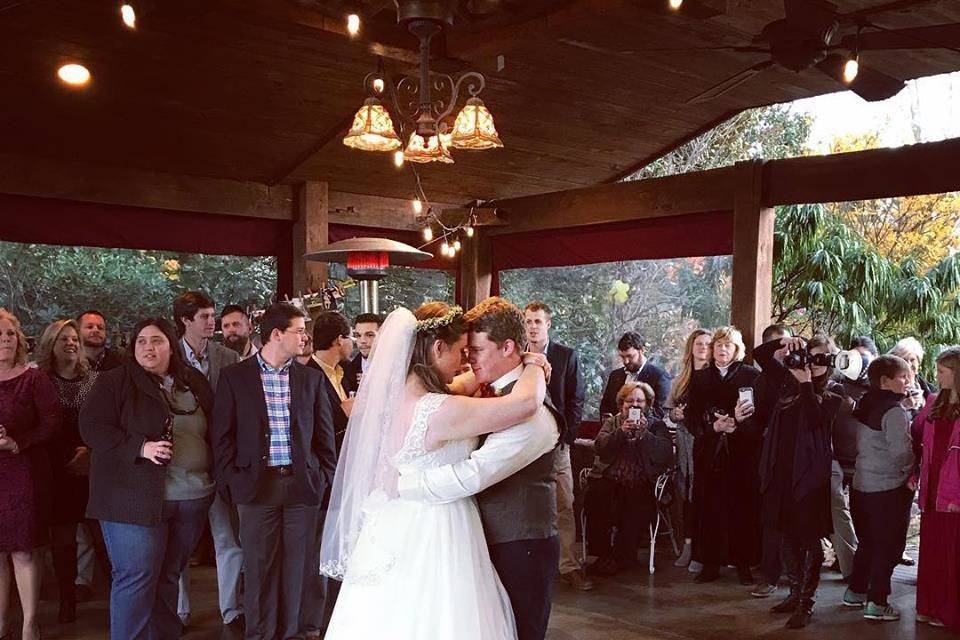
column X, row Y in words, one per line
column 511, row 473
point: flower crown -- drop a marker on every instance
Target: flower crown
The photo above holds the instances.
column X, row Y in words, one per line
column 430, row 324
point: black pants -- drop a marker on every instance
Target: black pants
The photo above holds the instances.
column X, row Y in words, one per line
column 801, row 559
column 771, row 562
column 881, row 520
column 609, row 505
column 319, row 592
column 527, row 569
column 278, row 538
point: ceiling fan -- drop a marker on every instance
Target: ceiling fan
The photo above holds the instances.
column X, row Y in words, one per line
column 807, row 38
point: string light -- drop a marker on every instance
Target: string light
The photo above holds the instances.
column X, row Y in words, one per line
column 378, row 85
column 398, row 159
column 417, row 206
column 427, row 233
column 468, row 230
column 129, row 15
column 445, row 248
column 457, row 245
column 850, row 69
column 353, row 24
column 675, row 4
column 76, row 75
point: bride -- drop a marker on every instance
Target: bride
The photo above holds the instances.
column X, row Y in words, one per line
column 415, row 571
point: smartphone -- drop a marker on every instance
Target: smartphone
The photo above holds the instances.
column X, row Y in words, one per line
column 634, row 414
column 746, row 394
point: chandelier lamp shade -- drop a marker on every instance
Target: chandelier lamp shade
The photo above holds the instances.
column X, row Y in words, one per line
column 372, row 129
column 423, row 106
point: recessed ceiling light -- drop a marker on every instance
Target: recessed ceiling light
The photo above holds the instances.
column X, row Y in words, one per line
column 76, row 75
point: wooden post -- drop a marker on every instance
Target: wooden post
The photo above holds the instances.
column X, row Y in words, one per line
column 310, row 233
column 750, row 304
column 476, row 269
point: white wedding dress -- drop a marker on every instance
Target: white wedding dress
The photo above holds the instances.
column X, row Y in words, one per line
column 422, row 571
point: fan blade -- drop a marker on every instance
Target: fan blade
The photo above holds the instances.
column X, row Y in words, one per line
column 942, row 35
column 810, row 16
column 730, row 83
column 696, row 9
column 870, row 84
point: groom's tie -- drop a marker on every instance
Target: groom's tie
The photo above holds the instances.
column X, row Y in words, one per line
column 487, row 391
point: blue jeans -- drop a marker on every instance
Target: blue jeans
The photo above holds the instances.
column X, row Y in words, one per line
column 147, row 561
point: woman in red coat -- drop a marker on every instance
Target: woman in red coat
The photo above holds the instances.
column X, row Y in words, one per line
column 29, row 416
column 936, row 430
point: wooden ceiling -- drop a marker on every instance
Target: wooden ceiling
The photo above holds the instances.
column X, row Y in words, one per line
column 263, row 90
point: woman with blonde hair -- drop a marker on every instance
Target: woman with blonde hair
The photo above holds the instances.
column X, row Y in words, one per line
column 936, row 433
column 60, row 356
column 696, row 356
column 726, row 459
column 29, row 418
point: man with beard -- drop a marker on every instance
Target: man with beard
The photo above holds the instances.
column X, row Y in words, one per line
column 93, row 337
column 365, row 329
column 632, row 349
column 237, row 328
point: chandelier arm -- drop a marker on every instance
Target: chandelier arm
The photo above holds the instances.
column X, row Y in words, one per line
column 406, row 107
column 471, row 81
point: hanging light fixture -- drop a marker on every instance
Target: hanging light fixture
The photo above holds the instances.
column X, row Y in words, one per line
column 372, row 129
column 129, row 15
column 424, row 104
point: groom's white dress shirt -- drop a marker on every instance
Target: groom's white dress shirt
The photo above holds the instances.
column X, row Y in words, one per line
column 502, row 454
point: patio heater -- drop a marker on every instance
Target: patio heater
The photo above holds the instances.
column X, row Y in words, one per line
column 367, row 260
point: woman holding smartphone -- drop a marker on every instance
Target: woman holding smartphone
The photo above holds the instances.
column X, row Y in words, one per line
column 633, row 448
column 795, row 466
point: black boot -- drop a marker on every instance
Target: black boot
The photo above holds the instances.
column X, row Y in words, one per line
column 792, row 565
column 801, row 615
column 709, row 573
column 809, row 580
column 65, row 568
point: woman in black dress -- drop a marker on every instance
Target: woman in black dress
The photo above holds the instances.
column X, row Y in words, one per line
column 795, row 466
column 726, row 455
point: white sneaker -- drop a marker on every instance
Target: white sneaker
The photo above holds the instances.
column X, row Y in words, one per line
column 695, row 567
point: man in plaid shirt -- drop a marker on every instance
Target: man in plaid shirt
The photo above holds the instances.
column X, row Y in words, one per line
column 274, row 457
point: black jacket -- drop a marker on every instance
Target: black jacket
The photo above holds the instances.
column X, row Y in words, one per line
column 241, row 433
column 651, row 374
column 126, row 408
column 351, row 371
column 566, row 386
column 339, row 417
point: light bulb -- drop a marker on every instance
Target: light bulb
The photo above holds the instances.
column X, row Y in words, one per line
column 353, row 24
column 427, row 233
column 456, row 245
column 675, row 4
column 445, row 248
column 75, row 75
column 417, row 206
column 378, row 85
column 128, row 15
column 469, row 231
column 850, row 70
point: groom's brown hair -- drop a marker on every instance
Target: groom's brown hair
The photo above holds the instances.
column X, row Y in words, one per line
column 499, row 319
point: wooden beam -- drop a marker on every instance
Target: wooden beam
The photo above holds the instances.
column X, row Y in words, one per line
column 670, row 196
column 84, row 182
column 310, row 233
column 483, row 217
column 750, row 304
column 476, row 270
column 929, row 167
column 376, row 211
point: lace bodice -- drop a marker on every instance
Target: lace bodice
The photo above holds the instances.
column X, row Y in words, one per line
column 413, row 454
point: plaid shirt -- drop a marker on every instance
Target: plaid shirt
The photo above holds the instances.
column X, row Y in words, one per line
column 276, row 391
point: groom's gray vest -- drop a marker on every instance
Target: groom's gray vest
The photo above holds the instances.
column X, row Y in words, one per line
column 523, row 506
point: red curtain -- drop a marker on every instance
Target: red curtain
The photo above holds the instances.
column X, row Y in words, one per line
column 71, row 223
column 702, row 234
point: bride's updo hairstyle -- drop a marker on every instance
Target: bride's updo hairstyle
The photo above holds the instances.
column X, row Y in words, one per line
column 435, row 321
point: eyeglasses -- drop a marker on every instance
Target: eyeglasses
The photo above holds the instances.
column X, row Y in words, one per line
column 299, row 332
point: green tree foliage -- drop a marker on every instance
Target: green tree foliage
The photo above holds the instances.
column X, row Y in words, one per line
column 41, row 283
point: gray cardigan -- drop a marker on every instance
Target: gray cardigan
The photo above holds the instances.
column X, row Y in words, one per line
column 885, row 455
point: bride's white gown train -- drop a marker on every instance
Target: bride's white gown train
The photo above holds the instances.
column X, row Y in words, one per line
column 422, row 571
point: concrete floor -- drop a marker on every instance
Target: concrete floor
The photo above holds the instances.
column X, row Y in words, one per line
column 631, row 606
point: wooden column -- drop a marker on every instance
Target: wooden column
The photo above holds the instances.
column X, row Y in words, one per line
column 310, row 233
column 750, row 305
column 476, row 269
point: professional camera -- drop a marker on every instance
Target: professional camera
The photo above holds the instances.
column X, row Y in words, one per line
column 849, row 363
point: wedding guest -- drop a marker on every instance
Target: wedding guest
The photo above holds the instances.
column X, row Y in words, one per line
column 93, row 337
column 365, row 329
column 936, row 433
column 766, row 391
column 237, row 329
column 882, row 487
column 632, row 349
column 305, row 357
column 631, row 453
column 332, row 344
column 911, row 350
column 150, row 477
column 29, row 419
column 195, row 319
column 726, row 459
column 59, row 355
column 280, row 478
column 795, row 466
column 696, row 356
column 567, row 391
